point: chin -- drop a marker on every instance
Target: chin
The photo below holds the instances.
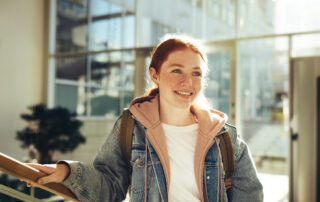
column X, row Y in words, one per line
column 183, row 104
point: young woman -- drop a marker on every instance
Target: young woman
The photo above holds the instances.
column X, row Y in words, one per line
column 175, row 152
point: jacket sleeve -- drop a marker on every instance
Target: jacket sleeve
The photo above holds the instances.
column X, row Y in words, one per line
column 107, row 179
column 245, row 183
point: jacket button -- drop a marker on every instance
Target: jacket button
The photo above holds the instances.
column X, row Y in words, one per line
column 208, row 177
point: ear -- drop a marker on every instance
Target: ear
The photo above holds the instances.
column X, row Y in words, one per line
column 154, row 75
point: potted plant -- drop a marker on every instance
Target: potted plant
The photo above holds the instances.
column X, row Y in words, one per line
column 49, row 130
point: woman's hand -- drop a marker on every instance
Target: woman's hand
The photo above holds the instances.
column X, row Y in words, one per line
column 56, row 172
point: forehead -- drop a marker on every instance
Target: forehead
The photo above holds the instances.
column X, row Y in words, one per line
column 185, row 57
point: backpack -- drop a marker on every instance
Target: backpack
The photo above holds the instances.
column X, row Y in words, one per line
column 126, row 129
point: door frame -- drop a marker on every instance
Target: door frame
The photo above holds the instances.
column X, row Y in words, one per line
column 301, row 138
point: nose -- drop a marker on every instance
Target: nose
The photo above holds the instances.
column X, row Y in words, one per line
column 186, row 80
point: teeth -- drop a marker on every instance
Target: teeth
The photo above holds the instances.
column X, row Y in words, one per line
column 183, row 93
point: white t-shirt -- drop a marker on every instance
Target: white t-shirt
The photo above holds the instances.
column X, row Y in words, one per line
column 181, row 142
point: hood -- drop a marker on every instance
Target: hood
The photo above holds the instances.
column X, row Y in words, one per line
column 210, row 121
column 146, row 111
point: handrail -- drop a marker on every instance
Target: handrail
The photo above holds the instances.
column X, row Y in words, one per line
column 17, row 194
column 26, row 173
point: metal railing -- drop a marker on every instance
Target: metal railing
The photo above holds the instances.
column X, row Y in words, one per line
column 25, row 197
column 17, row 194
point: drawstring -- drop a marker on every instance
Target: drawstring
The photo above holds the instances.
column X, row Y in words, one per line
column 221, row 194
column 145, row 170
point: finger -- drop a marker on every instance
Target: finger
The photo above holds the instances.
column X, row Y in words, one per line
column 45, row 168
column 47, row 179
column 61, row 172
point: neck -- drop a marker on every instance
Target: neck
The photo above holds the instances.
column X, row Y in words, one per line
column 176, row 116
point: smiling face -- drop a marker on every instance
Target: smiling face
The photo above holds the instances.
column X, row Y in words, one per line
column 179, row 79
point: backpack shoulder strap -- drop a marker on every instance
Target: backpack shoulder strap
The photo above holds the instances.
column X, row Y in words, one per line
column 126, row 129
column 227, row 157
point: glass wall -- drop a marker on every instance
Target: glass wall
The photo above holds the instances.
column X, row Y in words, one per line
column 218, row 81
column 306, row 45
column 263, row 86
column 265, row 17
column 296, row 16
column 93, row 75
column 207, row 20
column 256, row 17
column 71, row 25
column 264, row 81
column 87, row 30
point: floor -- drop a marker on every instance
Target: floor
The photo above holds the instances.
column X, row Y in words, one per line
column 275, row 187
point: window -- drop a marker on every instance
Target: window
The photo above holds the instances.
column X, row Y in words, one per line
column 264, row 100
column 92, row 72
column 218, row 81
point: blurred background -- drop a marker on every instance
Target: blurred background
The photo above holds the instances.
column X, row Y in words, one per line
column 91, row 57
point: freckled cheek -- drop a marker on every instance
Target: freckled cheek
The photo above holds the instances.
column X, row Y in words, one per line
column 197, row 84
column 170, row 81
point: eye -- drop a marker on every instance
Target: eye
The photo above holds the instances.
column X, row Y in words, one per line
column 176, row 71
column 196, row 73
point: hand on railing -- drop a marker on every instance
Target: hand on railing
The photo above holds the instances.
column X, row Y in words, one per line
column 47, row 177
column 55, row 172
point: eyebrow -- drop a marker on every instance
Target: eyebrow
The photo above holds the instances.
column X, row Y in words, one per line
column 179, row 65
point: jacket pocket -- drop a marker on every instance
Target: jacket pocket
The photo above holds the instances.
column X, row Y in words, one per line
column 138, row 172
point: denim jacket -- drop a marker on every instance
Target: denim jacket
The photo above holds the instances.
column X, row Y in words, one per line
column 108, row 179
